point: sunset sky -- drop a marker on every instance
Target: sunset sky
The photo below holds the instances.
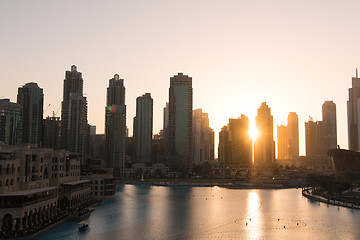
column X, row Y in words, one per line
column 292, row 54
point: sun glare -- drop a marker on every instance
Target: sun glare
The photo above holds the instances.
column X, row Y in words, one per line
column 253, row 132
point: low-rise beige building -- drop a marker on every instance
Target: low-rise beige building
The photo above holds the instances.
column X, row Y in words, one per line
column 33, row 181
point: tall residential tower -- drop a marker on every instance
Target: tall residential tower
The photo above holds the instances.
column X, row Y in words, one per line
column 264, row 146
column 10, row 122
column 74, row 124
column 143, row 128
column 353, row 109
column 235, row 144
column 115, row 126
column 31, row 99
column 203, row 138
column 288, row 138
column 180, row 123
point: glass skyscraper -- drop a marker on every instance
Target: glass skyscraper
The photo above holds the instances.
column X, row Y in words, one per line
column 31, row 99
column 143, row 128
column 180, row 123
column 115, row 126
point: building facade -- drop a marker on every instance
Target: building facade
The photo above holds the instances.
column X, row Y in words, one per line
column 115, row 126
column 235, row 144
column 321, row 136
column 180, row 123
column 329, row 126
column 203, row 138
column 74, row 125
column 52, row 132
column 264, row 146
column 288, row 138
column 353, row 111
column 10, row 122
column 32, row 184
column 31, row 99
column 143, row 129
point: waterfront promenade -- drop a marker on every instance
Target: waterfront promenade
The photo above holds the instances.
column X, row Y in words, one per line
column 310, row 193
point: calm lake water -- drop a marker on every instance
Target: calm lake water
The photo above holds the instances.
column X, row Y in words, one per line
column 149, row 212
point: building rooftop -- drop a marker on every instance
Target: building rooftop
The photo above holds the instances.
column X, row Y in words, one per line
column 27, row 192
column 75, row 182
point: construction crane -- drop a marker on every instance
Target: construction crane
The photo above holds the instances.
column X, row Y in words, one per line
column 57, row 111
column 47, row 107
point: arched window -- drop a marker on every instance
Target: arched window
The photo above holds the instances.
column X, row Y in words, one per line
column 8, row 169
column 7, row 182
column 12, row 182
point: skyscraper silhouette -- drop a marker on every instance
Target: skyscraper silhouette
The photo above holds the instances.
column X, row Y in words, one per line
column 288, row 138
column 312, row 132
column 353, row 109
column 74, row 124
column 31, row 99
column 235, row 144
column 264, row 146
column 329, row 126
column 321, row 136
column 115, row 126
column 180, row 123
column 203, row 138
column 143, row 128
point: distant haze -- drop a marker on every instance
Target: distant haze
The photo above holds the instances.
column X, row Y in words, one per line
column 292, row 54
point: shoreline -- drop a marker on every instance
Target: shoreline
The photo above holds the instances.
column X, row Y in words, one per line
column 229, row 184
column 306, row 193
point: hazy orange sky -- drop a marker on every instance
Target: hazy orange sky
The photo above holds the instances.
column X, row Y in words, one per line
column 292, row 54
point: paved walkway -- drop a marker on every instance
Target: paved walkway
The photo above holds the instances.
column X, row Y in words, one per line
column 308, row 193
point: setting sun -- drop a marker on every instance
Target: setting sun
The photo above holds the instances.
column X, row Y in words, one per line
column 253, row 132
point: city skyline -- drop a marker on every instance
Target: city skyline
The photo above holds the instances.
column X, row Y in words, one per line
column 253, row 50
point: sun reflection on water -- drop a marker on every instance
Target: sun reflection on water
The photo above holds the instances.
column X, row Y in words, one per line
column 253, row 220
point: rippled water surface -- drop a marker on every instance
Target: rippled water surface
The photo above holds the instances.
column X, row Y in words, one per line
column 149, row 212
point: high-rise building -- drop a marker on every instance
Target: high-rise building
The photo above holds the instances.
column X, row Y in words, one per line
column 10, row 122
column 235, row 144
column 293, row 135
column 203, row 138
column 321, row 136
column 224, row 148
column 74, row 124
column 353, row 109
column 52, row 132
column 288, row 138
column 165, row 139
column 115, row 126
column 282, row 142
column 329, row 126
column 180, row 123
column 143, row 128
column 311, row 137
column 31, row 99
column 264, row 146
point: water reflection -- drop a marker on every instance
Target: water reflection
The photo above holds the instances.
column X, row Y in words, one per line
column 253, row 221
column 144, row 212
